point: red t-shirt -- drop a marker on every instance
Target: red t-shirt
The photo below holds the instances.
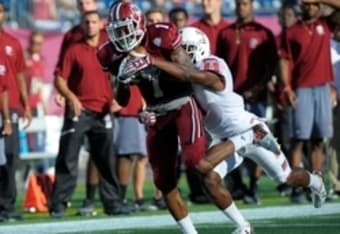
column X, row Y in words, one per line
column 3, row 73
column 16, row 64
column 211, row 31
column 74, row 35
column 251, row 53
column 135, row 103
column 307, row 48
column 86, row 78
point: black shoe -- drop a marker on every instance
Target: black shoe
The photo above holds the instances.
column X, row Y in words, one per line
column 14, row 216
column 121, row 210
column 199, row 199
column 10, row 216
column 158, row 204
column 140, row 205
column 251, row 198
column 284, row 190
column 2, row 218
column 87, row 209
column 298, row 195
column 57, row 214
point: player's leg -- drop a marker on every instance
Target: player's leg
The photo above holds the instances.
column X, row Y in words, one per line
column 277, row 167
column 221, row 197
column 162, row 147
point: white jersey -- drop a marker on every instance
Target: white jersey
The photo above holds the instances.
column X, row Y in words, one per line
column 225, row 115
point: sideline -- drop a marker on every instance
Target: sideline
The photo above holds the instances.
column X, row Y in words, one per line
column 159, row 221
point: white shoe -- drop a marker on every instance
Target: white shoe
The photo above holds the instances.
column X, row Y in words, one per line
column 244, row 230
column 265, row 139
column 319, row 194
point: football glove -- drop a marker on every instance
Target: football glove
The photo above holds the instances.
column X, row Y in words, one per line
column 148, row 118
column 130, row 66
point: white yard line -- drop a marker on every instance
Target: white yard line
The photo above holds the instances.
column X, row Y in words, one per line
column 158, row 221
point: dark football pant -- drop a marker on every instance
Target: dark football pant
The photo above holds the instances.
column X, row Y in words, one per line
column 8, row 190
column 99, row 132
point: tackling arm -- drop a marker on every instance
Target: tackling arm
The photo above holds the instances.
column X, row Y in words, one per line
column 183, row 69
column 122, row 94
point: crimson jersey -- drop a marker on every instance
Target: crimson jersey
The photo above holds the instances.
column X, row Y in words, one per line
column 306, row 46
column 3, row 72
column 160, row 40
column 85, row 76
column 211, row 31
column 250, row 51
column 12, row 49
column 74, row 35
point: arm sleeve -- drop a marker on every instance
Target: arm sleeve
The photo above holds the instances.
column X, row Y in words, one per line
column 20, row 62
column 66, row 64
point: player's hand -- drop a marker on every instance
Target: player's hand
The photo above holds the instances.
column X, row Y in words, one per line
column 7, row 128
column 291, row 98
column 59, row 100
column 148, row 118
column 75, row 105
column 27, row 116
column 115, row 107
column 131, row 65
column 334, row 96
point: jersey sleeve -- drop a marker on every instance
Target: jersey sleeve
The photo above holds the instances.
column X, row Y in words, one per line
column 211, row 64
column 65, row 66
column 283, row 45
column 165, row 36
column 20, row 64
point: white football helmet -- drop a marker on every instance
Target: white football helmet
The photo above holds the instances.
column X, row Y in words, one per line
column 126, row 26
column 195, row 42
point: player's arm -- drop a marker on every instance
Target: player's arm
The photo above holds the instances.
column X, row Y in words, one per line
column 183, row 69
column 7, row 127
column 122, row 94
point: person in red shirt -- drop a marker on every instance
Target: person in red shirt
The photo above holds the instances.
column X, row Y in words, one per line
column 17, row 92
column 75, row 35
column 88, row 94
column 6, row 127
column 212, row 22
column 305, row 46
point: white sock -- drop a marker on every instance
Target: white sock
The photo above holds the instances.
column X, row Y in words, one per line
column 242, row 139
column 187, row 226
column 235, row 215
column 314, row 181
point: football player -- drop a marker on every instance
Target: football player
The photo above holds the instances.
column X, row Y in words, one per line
column 225, row 116
column 178, row 116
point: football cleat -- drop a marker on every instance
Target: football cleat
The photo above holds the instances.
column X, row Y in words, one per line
column 248, row 229
column 319, row 194
column 265, row 139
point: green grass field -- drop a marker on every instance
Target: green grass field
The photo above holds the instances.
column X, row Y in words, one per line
column 305, row 222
